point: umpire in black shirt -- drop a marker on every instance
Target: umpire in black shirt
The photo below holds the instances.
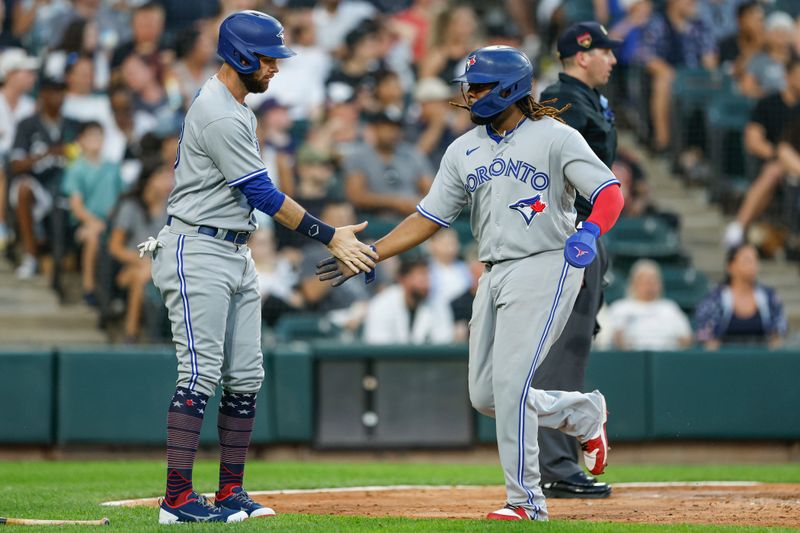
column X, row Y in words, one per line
column 586, row 54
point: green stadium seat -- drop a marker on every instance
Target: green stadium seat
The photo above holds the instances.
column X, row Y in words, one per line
column 732, row 169
column 639, row 237
column 692, row 90
column 684, row 286
column 304, row 327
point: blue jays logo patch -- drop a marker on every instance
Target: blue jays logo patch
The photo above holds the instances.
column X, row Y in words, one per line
column 470, row 61
column 280, row 36
column 529, row 207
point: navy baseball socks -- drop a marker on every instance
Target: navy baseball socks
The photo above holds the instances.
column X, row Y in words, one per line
column 237, row 413
column 181, row 503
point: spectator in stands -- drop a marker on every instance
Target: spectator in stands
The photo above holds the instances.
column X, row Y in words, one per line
column 335, row 19
column 93, row 186
column 196, row 62
column 277, row 145
column 439, row 123
column 645, row 320
column 628, row 29
column 413, row 25
column 147, row 25
column 736, row 50
column 139, row 215
column 761, row 135
column 345, row 307
column 387, row 177
column 765, row 73
column 277, row 277
column 404, row 314
column 452, row 40
column 449, row 274
column 789, row 150
column 673, row 39
column 153, row 110
column 719, row 16
column 740, row 310
column 361, row 63
column 18, row 75
column 389, row 96
column 308, row 69
column 37, row 161
column 81, row 103
column 315, row 182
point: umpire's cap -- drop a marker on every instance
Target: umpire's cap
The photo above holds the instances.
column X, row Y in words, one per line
column 504, row 65
column 246, row 33
column 584, row 36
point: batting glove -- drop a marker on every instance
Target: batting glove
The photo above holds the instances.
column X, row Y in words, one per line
column 328, row 270
column 149, row 247
column 581, row 247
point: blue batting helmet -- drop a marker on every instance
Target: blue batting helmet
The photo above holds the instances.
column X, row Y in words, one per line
column 244, row 34
column 504, row 65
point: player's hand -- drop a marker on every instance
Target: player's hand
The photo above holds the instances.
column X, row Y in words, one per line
column 332, row 269
column 149, row 247
column 581, row 247
column 355, row 255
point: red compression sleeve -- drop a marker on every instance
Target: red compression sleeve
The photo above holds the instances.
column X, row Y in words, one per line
column 607, row 207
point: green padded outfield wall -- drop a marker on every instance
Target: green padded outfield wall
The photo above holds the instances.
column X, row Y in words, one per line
column 731, row 394
column 26, row 397
column 121, row 395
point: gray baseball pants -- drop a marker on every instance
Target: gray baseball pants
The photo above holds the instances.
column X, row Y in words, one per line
column 210, row 289
column 520, row 309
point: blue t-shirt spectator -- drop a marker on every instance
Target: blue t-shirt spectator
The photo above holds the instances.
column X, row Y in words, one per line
column 98, row 184
column 661, row 40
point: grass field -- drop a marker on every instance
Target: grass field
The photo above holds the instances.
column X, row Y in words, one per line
column 74, row 490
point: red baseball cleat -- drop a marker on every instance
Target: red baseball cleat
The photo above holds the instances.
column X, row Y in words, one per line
column 509, row 512
column 595, row 450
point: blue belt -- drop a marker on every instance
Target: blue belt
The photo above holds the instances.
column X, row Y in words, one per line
column 236, row 237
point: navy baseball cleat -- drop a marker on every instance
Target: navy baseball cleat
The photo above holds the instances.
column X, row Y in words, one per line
column 236, row 499
column 196, row 508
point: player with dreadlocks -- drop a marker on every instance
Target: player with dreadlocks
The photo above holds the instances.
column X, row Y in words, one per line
column 518, row 170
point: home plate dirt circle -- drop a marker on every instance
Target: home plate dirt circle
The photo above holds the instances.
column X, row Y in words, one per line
column 735, row 503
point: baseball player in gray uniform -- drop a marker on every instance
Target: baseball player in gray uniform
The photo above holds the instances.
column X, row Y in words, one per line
column 203, row 268
column 519, row 171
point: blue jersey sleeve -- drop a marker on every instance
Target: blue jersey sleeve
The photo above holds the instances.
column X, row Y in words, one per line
column 262, row 194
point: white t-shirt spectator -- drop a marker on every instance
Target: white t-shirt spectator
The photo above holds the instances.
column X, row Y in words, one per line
column 656, row 325
column 332, row 28
column 389, row 321
column 9, row 118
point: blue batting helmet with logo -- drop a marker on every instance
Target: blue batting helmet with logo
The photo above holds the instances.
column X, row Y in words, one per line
column 246, row 33
column 504, row 65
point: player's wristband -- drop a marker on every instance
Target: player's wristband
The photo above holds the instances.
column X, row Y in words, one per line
column 312, row 227
column 369, row 277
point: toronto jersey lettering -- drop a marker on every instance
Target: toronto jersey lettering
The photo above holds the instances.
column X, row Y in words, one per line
column 521, row 187
column 218, row 150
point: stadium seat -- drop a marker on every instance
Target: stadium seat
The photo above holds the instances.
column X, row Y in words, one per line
column 685, row 286
column 692, row 90
column 304, row 326
column 639, row 237
column 732, row 168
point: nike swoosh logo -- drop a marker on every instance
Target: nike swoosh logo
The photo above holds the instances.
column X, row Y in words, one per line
column 469, row 151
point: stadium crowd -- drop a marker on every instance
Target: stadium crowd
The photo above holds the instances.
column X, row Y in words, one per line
column 353, row 127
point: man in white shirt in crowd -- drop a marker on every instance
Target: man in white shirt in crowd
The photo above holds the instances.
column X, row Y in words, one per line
column 403, row 313
column 644, row 320
column 18, row 76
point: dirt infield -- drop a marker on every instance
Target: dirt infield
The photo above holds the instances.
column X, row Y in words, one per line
column 753, row 504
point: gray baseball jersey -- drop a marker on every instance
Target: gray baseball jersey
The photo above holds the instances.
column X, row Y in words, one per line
column 218, row 150
column 520, row 188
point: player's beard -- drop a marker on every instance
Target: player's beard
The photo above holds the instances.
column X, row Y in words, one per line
column 253, row 84
column 482, row 121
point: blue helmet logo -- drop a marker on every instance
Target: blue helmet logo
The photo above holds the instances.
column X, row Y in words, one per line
column 245, row 35
column 504, row 65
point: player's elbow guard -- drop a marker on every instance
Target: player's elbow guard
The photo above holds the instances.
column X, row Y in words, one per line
column 581, row 247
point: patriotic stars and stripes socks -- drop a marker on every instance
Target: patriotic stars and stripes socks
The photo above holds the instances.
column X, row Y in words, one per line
column 237, row 413
column 184, row 420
